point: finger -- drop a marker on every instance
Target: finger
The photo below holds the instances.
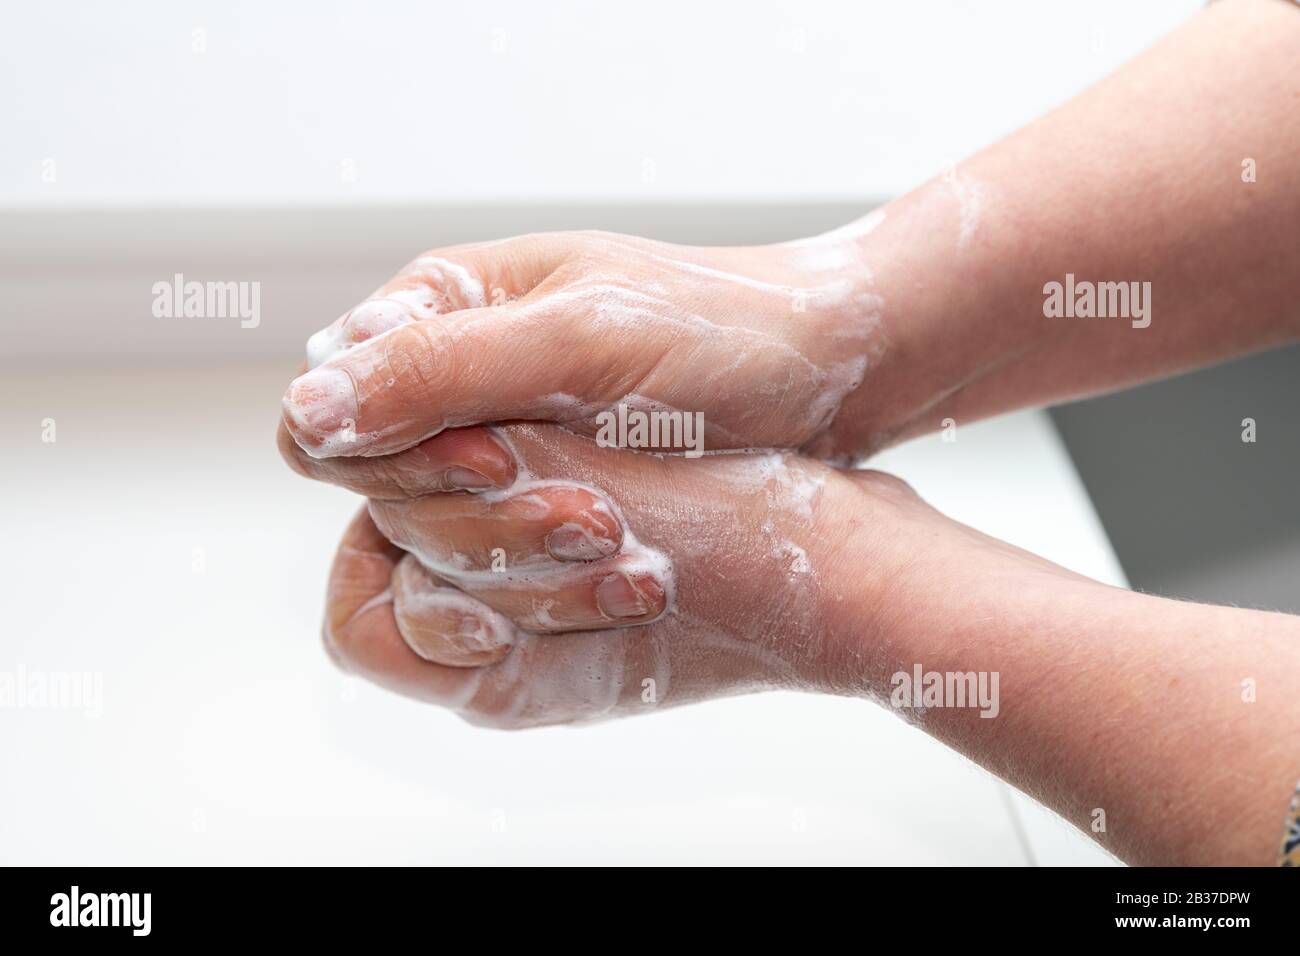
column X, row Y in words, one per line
column 444, row 625
column 362, row 632
column 463, row 459
column 535, row 525
column 522, row 360
column 466, row 368
column 362, row 569
column 519, row 679
column 438, row 282
column 447, row 331
column 626, row 590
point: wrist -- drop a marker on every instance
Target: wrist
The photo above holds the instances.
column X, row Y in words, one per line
column 915, row 587
column 951, row 311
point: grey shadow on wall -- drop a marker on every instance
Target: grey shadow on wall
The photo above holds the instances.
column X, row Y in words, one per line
column 1192, row 509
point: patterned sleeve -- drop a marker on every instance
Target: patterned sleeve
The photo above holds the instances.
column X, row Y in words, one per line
column 1289, row 853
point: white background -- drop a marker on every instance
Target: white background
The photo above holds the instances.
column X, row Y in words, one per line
column 517, row 100
column 225, row 736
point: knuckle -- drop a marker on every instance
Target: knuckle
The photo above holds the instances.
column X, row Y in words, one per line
column 587, row 250
column 393, row 478
column 885, row 484
column 416, row 359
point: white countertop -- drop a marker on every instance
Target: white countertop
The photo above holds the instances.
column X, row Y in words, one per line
column 160, row 543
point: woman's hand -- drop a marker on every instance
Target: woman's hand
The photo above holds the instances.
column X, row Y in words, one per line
column 772, row 571
column 607, row 583
column 845, row 343
column 763, row 342
column 1175, row 721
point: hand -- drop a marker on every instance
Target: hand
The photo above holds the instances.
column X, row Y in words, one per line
column 1110, row 700
column 764, row 571
column 764, row 342
column 743, row 572
column 943, row 312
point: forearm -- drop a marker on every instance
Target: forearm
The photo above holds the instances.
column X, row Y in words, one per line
column 1139, row 180
column 1174, row 726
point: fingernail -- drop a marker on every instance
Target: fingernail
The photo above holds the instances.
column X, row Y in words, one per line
column 367, row 321
column 618, row 596
column 372, row 319
column 443, row 625
column 321, row 407
column 451, row 637
column 466, row 479
column 575, row 543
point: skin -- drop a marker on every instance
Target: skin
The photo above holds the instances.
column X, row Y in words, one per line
column 755, row 520
column 1109, row 700
column 747, row 571
column 588, row 320
column 1139, row 178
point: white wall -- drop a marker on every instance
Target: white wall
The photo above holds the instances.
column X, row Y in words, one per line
column 516, row 100
column 522, row 116
column 224, row 734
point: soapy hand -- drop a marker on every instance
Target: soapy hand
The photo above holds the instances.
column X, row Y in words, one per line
column 763, row 342
column 583, row 583
column 607, row 582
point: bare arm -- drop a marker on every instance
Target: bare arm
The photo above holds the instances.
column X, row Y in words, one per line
column 1167, row 731
column 1179, row 722
column 1180, row 172
column 933, row 307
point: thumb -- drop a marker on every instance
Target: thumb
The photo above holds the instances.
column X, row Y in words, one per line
column 459, row 336
column 419, row 378
column 556, row 353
